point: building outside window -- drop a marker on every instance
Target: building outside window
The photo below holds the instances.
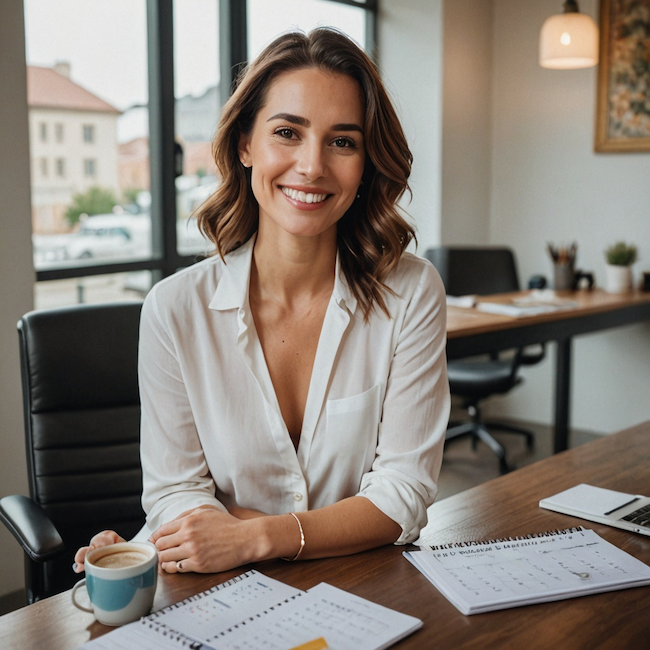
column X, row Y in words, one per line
column 89, row 133
column 60, row 167
column 90, row 167
column 58, row 132
column 43, row 131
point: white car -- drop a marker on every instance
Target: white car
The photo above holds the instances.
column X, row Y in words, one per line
column 111, row 236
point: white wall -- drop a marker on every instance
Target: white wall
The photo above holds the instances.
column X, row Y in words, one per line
column 549, row 185
column 466, row 122
column 410, row 50
column 16, row 270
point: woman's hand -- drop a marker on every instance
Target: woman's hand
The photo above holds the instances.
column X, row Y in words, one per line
column 104, row 538
column 204, row 540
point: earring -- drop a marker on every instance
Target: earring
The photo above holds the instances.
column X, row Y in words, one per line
column 359, row 190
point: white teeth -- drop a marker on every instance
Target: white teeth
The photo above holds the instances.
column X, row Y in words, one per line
column 303, row 197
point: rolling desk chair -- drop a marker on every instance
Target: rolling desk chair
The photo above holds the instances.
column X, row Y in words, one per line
column 482, row 271
column 82, row 433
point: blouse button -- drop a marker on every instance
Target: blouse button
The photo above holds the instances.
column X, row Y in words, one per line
column 297, row 496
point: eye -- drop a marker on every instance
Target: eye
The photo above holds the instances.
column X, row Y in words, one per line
column 285, row 133
column 343, row 142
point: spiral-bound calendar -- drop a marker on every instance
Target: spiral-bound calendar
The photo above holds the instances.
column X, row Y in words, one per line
column 482, row 576
column 254, row 611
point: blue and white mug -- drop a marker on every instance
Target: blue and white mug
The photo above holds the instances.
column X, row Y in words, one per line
column 121, row 582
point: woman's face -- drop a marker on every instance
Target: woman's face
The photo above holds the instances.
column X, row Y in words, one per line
column 307, row 151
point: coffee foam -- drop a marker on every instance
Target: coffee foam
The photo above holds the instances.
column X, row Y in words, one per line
column 121, row 559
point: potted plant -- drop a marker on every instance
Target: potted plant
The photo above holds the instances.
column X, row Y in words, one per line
column 618, row 272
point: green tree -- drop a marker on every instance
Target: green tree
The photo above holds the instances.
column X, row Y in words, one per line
column 131, row 194
column 95, row 200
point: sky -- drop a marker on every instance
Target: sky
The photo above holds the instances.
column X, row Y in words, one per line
column 105, row 40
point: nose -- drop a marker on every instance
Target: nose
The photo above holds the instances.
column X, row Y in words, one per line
column 311, row 161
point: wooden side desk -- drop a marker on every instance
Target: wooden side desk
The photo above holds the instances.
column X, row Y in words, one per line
column 470, row 331
column 505, row 506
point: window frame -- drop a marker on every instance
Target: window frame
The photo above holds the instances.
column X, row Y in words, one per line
column 233, row 46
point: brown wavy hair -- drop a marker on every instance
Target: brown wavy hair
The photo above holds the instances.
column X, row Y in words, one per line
column 371, row 235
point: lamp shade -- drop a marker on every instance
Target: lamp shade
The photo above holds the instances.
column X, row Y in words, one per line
column 567, row 41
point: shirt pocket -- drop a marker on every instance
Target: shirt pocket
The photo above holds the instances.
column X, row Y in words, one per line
column 354, row 422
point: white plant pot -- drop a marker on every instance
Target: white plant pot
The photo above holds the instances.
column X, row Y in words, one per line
column 618, row 279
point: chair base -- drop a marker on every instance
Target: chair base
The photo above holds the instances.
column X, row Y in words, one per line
column 479, row 432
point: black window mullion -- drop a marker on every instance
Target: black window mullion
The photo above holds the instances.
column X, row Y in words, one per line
column 233, row 43
column 160, row 22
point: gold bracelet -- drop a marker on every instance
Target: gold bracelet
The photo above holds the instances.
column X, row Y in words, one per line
column 302, row 540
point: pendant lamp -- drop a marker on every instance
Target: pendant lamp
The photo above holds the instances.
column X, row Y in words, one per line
column 568, row 40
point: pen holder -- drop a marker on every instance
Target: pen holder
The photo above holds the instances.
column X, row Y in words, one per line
column 563, row 277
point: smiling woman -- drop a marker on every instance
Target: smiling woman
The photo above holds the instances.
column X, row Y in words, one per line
column 306, row 167
column 294, row 389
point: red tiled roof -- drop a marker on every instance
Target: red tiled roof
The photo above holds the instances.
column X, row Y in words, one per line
column 46, row 88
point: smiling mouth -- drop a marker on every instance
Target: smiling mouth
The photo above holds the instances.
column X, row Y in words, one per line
column 304, row 197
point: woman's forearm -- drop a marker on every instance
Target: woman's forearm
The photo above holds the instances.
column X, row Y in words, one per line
column 349, row 526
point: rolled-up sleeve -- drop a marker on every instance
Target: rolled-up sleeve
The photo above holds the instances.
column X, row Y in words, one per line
column 176, row 477
column 403, row 480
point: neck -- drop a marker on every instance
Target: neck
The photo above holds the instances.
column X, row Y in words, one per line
column 289, row 268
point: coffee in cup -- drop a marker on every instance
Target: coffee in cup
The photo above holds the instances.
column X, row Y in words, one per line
column 121, row 559
column 121, row 582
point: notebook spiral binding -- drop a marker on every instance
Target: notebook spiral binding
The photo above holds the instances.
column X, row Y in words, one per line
column 502, row 540
column 181, row 638
column 154, row 615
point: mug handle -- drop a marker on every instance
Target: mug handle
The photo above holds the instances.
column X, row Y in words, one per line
column 81, row 583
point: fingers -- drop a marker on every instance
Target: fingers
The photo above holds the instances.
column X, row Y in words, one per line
column 165, row 530
column 104, row 538
column 79, row 558
column 179, row 566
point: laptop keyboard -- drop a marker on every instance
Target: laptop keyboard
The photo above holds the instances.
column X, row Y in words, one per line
column 641, row 517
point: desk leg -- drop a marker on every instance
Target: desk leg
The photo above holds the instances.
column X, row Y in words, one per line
column 562, row 394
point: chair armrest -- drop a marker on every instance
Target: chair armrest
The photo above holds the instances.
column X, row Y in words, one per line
column 33, row 529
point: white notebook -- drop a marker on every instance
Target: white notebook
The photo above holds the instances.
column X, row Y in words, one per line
column 619, row 509
column 484, row 576
column 254, row 611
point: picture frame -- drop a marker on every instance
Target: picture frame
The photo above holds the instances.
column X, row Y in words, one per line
column 623, row 104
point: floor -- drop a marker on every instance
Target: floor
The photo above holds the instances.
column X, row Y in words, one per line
column 462, row 468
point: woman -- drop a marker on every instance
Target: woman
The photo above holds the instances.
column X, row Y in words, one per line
column 294, row 390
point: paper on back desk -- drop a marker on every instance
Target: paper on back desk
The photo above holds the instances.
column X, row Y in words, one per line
column 589, row 499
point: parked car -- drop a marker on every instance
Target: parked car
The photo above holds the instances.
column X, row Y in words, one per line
column 111, row 236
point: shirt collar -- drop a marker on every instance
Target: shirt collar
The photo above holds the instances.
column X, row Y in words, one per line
column 232, row 289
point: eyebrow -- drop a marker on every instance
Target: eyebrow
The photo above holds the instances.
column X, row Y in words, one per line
column 302, row 121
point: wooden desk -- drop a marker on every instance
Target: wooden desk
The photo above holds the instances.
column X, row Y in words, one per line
column 503, row 507
column 470, row 331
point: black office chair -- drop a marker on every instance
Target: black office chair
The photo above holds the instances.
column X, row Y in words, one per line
column 482, row 271
column 82, row 434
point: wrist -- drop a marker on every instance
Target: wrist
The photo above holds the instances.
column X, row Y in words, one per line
column 276, row 536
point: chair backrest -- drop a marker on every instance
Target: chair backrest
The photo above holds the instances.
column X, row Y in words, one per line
column 82, row 424
column 480, row 270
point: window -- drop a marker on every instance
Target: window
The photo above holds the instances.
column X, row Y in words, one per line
column 89, row 133
column 132, row 177
column 89, row 168
column 197, row 104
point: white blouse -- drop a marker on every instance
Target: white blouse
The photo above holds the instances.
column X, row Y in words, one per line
column 374, row 421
